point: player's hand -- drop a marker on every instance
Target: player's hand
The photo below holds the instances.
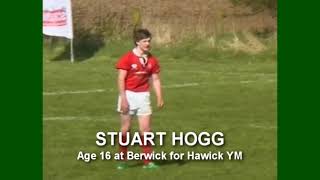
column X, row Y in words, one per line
column 124, row 106
column 160, row 103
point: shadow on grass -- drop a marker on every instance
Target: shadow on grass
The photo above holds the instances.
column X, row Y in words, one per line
column 171, row 162
column 85, row 46
column 162, row 163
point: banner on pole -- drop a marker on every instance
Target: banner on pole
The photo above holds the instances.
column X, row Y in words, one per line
column 57, row 18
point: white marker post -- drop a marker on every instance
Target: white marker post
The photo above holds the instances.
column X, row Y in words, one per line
column 57, row 20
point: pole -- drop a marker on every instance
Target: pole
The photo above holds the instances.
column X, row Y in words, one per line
column 71, row 50
column 72, row 36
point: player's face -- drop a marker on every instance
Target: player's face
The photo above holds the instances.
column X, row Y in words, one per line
column 144, row 44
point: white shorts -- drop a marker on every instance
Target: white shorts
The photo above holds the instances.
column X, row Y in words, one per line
column 139, row 103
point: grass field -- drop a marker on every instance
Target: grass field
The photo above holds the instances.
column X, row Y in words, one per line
column 204, row 90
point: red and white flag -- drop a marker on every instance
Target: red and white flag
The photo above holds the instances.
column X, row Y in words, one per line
column 57, row 18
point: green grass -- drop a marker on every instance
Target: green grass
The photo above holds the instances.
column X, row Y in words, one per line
column 236, row 95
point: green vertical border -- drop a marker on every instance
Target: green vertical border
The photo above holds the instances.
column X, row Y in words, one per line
column 298, row 97
column 21, row 89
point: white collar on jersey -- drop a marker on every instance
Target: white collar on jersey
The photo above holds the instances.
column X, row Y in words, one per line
column 143, row 59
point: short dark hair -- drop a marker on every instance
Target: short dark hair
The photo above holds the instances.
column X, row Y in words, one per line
column 141, row 34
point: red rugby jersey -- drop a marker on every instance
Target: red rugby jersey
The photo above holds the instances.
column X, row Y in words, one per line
column 139, row 71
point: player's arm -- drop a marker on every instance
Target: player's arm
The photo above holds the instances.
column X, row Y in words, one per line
column 122, row 74
column 157, row 88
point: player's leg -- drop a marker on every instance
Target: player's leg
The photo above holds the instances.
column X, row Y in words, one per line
column 125, row 126
column 125, row 121
column 144, row 123
column 145, row 126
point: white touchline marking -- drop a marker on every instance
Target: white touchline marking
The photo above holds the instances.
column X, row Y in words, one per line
column 77, row 118
column 103, row 90
column 61, row 118
column 54, row 93
column 73, row 92
column 246, row 82
column 261, row 81
column 223, row 73
column 262, row 127
column 181, row 85
column 103, row 118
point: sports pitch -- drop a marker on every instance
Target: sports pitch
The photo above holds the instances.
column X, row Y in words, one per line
column 204, row 90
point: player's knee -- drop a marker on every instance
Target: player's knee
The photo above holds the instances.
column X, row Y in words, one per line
column 145, row 129
column 125, row 129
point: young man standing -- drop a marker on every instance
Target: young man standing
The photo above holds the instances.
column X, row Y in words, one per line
column 135, row 70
